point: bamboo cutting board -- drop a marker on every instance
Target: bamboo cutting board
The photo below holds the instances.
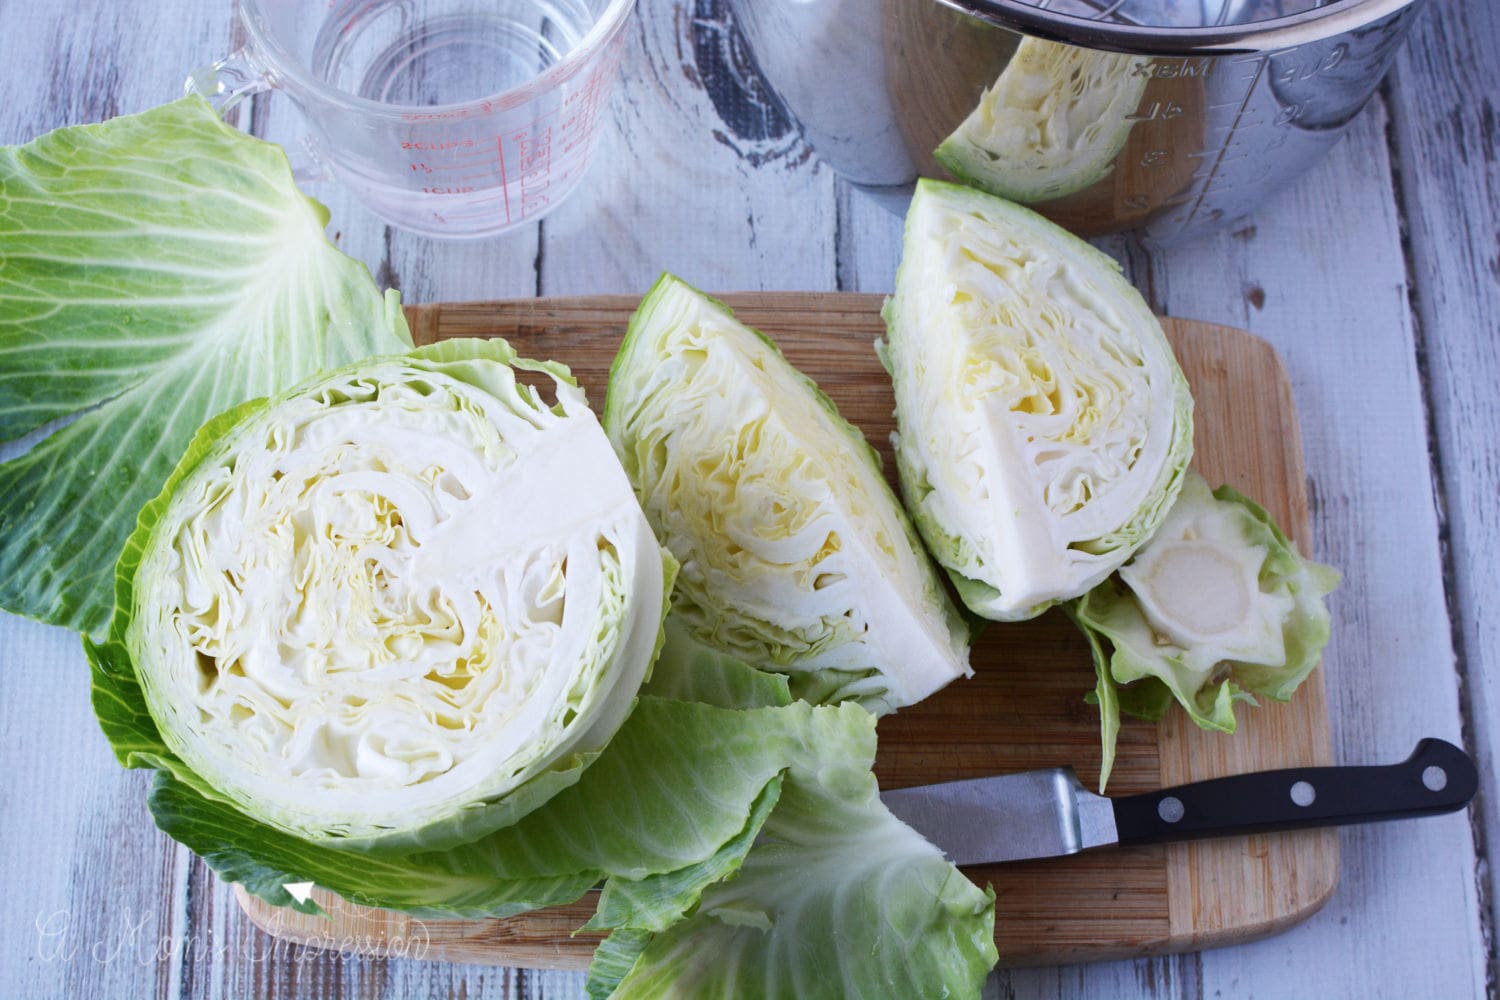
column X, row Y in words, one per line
column 1024, row 707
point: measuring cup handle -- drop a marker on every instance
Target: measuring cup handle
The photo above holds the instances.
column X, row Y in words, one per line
column 228, row 81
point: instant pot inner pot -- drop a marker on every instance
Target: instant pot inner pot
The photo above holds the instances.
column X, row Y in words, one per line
column 1171, row 117
column 1177, row 13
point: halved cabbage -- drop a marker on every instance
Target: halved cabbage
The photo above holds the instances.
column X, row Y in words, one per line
column 795, row 554
column 1043, row 423
column 1051, row 124
column 1217, row 604
column 403, row 603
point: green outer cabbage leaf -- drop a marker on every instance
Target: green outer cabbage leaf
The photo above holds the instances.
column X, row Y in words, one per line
column 1043, row 424
column 154, row 270
column 688, row 670
column 792, row 888
column 836, row 899
column 1268, row 650
column 671, row 805
column 613, row 960
column 796, row 556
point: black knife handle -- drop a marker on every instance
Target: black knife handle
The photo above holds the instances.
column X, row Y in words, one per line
column 1437, row 778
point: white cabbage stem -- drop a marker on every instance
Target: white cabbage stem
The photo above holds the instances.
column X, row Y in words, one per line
column 1198, row 584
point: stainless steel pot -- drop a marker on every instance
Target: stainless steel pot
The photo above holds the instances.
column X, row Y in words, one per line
column 1175, row 117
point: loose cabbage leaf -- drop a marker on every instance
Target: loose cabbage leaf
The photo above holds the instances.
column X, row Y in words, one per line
column 1043, row 424
column 1217, row 607
column 154, row 270
column 796, row 555
column 688, row 670
column 671, row 806
column 836, row 899
column 613, row 959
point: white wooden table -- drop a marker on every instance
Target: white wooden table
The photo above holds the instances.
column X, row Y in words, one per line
column 1377, row 277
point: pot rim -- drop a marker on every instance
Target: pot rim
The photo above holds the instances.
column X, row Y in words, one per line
column 1317, row 24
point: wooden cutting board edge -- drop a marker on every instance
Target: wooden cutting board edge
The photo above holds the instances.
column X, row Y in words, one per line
column 1203, row 912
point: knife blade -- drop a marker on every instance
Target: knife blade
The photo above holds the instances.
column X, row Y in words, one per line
column 1048, row 813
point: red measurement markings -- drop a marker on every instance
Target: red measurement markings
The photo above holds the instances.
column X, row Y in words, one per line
column 504, row 184
column 534, row 159
column 582, row 107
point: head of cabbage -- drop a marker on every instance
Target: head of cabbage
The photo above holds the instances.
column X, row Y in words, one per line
column 404, row 603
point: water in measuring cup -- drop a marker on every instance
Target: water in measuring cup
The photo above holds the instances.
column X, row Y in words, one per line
column 410, row 52
column 468, row 157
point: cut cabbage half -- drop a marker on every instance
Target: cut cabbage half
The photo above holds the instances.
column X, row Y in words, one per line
column 1043, row 424
column 796, row 555
column 403, row 603
column 1051, row 124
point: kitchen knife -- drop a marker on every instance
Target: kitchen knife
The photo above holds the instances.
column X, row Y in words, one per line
column 1047, row 813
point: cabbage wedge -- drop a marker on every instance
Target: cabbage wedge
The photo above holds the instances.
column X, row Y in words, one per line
column 1217, row 607
column 1043, row 424
column 1050, row 125
column 402, row 604
column 795, row 554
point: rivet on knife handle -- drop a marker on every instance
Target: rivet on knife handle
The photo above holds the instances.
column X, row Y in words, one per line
column 1437, row 778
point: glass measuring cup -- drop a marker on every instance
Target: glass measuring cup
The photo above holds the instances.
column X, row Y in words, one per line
column 452, row 118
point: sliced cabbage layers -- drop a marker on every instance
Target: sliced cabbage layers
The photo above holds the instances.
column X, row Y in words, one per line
column 796, row 555
column 1052, row 123
column 403, row 603
column 1043, row 423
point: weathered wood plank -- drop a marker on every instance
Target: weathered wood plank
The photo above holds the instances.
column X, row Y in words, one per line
column 697, row 172
column 1446, row 123
column 70, row 822
column 868, row 228
column 94, row 895
column 1319, row 274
